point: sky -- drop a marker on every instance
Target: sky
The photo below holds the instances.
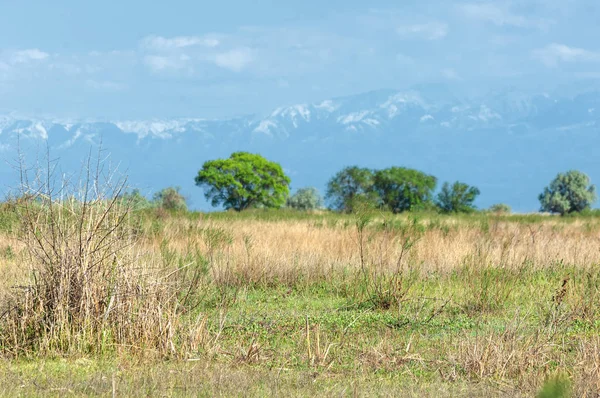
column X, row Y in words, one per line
column 156, row 59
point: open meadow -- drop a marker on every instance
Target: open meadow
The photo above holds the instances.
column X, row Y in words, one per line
column 300, row 198
column 295, row 304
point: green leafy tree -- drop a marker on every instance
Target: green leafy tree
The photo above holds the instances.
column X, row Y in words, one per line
column 350, row 188
column 569, row 192
column 305, row 199
column 243, row 181
column 402, row 189
column 170, row 199
column 457, row 198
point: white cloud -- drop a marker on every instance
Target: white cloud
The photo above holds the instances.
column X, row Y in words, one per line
column 159, row 43
column 555, row 53
column 13, row 61
column 501, row 15
column 159, row 63
column 167, row 53
column 24, row 56
column 235, row 60
column 427, row 31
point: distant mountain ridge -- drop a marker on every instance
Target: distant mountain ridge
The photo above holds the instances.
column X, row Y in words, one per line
column 509, row 143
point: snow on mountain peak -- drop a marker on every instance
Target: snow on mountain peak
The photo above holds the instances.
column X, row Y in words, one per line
column 327, row 105
column 363, row 112
column 294, row 112
column 41, row 130
column 353, row 117
column 158, row 128
column 265, row 127
column 395, row 103
column 71, row 141
column 486, row 114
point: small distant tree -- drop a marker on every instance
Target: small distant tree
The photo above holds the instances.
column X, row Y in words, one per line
column 244, row 180
column 569, row 192
column 457, row 198
column 305, row 199
column 351, row 187
column 402, row 189
column 500, row 208
column 170, row 199
column 136, row 200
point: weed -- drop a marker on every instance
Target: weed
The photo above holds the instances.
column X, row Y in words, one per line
column 556, row 387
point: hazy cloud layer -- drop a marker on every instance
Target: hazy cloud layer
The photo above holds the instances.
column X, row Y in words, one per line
column 226, row 61
column 501, row 14
column 165, row 44
column 554, row 54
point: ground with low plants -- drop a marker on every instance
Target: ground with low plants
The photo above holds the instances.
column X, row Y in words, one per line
column 290, row 303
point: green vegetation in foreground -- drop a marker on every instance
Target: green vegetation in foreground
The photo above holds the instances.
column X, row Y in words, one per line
column 82, row 377
column 476, row 330
column 425, row 344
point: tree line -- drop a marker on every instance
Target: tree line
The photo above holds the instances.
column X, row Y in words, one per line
column 397, row 189
column 245, row 180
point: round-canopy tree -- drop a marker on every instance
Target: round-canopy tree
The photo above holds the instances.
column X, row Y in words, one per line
column 402, row 189
column 350, row 187
column 569, row 192
column 457, row 198
column 243, row 181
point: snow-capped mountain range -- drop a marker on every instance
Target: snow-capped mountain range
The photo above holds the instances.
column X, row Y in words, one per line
column 509, row 144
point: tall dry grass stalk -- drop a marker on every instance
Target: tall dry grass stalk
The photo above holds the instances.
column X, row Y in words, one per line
column 89, row 286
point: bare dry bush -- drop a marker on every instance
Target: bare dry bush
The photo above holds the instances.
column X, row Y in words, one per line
column 89, row 288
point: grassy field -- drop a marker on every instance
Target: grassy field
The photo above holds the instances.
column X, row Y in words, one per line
column 266, row 303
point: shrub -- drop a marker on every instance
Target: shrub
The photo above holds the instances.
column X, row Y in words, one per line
column 136, row 200
column 305, row 199
column 170, row 199
column 500, row 208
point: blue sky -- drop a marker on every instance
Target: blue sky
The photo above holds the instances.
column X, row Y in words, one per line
column 146, row 59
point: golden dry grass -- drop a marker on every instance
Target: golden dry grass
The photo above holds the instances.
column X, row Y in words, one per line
column 264, row 249
column 288, row 248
